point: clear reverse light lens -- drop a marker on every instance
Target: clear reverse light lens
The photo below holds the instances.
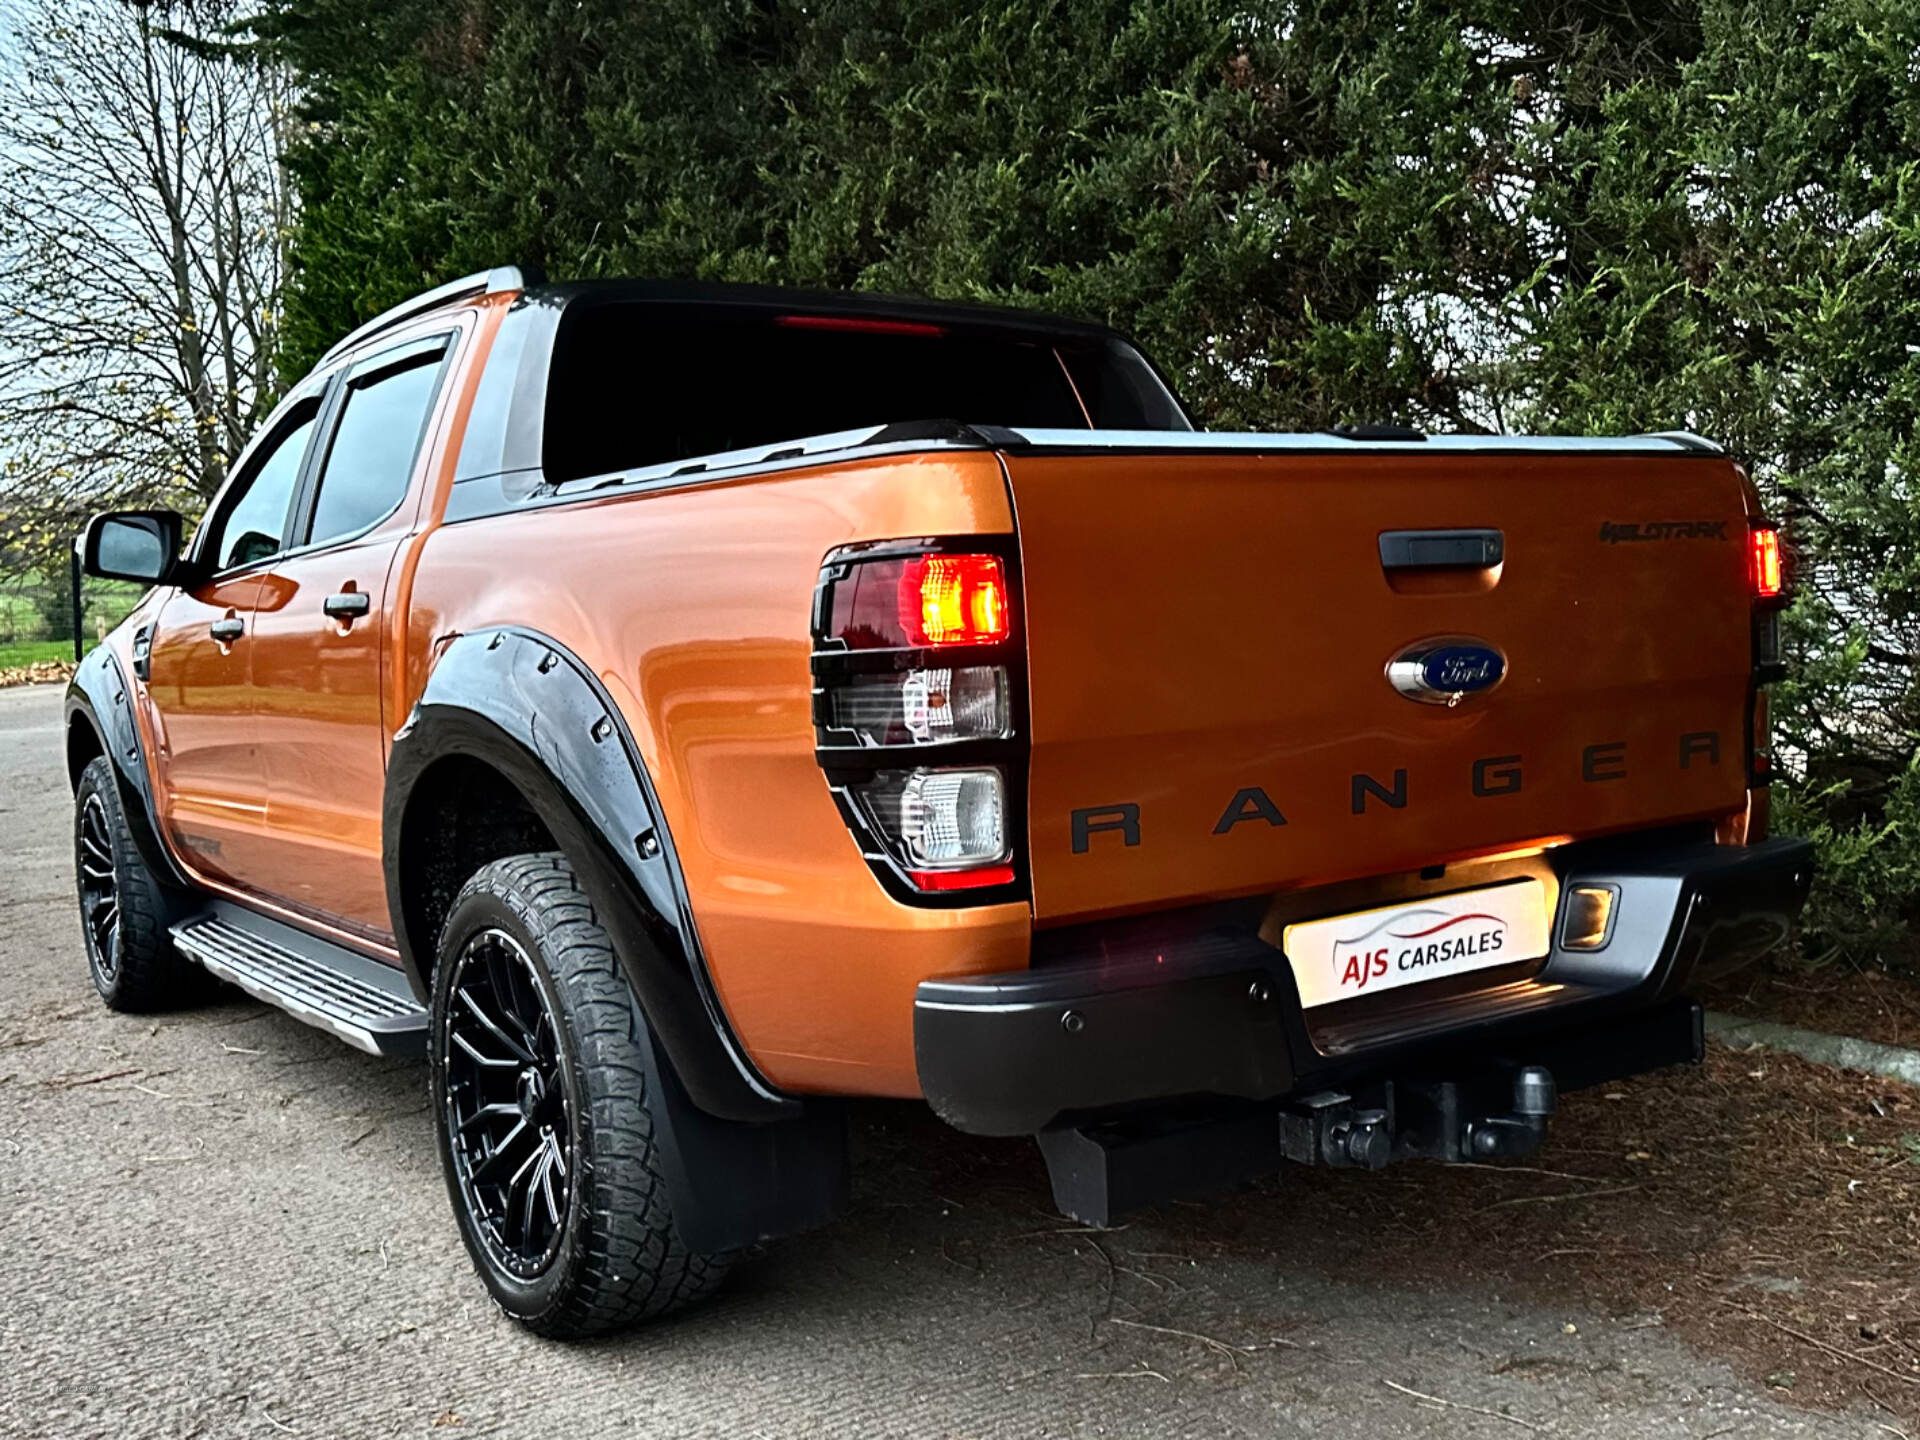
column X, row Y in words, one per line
column 940, row 819
column 952, row 818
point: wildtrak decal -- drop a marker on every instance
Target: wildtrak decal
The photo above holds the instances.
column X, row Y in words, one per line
column 1491, row 776
column 1612, row 532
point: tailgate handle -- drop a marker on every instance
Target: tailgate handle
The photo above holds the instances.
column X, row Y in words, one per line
column 1441, row 549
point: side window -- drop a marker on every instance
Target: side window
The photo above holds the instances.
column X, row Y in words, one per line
column 383, row 413
column 249, row 527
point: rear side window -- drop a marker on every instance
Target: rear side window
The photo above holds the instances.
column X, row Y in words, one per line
column 383, row 413
column 642, row 384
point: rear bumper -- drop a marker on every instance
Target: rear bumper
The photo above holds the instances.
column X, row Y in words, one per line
column 1219, row 1016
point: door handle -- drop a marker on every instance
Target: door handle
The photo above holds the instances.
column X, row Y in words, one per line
column 348, row 605
column 228, row 629
column 1441, row 549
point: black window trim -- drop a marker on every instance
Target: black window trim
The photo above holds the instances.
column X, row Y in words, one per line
column 434, row 348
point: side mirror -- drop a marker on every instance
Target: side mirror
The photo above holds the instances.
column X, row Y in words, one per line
column 141, row 545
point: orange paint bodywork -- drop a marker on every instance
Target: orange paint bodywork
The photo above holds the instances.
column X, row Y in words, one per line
column 1192, row 623
column 695, row 615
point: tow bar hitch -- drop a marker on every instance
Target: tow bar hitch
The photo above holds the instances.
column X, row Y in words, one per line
column 1103, row 1169
column 1499, row 1116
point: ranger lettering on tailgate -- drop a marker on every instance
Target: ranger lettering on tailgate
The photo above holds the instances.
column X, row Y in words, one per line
column 1491, row 776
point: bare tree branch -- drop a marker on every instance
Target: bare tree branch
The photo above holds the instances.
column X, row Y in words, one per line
column 143, row 221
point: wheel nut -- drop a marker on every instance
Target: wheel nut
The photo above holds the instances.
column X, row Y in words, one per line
column 1260, row 992
column 1073, row 1022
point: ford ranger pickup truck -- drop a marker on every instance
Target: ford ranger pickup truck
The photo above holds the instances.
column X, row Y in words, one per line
column 679, row 711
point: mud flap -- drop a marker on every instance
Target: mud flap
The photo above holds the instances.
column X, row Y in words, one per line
column 733, row 1183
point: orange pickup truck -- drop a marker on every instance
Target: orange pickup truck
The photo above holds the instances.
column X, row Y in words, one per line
column 681, row 710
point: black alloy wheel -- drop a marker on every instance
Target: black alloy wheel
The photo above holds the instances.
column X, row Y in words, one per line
column 124, row 908
column 93, row 863
column 508, row 1111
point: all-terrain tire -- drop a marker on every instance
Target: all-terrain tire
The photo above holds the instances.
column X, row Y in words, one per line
column 125, row 909
column 613, row 1257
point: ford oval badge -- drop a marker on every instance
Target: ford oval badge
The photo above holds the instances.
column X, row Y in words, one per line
column 1446, row 670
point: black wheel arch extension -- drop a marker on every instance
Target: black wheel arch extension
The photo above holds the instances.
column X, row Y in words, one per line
column 527, row 708
column 99, row 720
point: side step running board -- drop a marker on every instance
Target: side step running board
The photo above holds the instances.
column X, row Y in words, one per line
column 365, row 1003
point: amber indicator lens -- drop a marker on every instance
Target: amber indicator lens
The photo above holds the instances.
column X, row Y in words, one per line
column 1768, row 576
column 923, row 601
column 1589, row 922
column 924, row 707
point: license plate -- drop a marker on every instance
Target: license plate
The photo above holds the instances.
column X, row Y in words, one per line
column 1416, row 941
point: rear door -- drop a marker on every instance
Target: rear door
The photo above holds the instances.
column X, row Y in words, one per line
column 1210, row 635
column 319, row 632
column 200, row 662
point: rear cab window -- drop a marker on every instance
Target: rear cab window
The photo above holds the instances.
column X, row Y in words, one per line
column 633, row 384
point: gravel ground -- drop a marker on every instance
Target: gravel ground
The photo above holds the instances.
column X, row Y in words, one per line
column 223, row 1223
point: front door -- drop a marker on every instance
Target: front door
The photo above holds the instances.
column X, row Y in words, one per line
column 320, row 630
column 212, row 792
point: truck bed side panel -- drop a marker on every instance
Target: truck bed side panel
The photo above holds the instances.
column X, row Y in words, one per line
column 693, row 604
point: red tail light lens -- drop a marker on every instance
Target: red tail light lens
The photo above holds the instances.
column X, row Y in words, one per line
column 1768, row 578
column 954, row 600
column 923, row 601
column 962, row 879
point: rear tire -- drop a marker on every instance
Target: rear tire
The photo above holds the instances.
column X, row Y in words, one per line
column 124, row 908
column 541, row 1106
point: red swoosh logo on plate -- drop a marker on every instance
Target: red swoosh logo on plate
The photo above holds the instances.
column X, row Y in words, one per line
column 1456, row 920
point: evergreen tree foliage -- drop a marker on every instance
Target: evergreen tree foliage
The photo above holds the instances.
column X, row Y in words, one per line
column 1509, row 214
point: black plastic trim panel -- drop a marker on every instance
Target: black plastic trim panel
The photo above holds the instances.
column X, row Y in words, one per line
column 1009, row 1054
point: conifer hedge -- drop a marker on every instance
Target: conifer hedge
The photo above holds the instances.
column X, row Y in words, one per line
column 1527, row 216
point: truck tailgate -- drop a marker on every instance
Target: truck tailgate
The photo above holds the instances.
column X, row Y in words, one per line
column 1209, row 635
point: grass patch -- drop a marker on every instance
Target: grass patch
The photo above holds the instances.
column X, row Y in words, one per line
column 32, row 652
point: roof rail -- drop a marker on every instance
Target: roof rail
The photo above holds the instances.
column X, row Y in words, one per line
column 483, row 282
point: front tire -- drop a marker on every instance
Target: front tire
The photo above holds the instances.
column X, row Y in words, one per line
column 124, row 908
column 541, row 1106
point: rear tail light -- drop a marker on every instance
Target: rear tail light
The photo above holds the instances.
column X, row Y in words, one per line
column 918, row 714
column 1768, row 574
column 954, row 600
column 1767, row 578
